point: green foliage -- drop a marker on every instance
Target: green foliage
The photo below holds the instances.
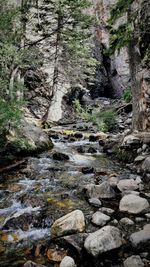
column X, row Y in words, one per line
column 10, row 115
column 127, row 95
column 104, row 120
column 119, row 9
column 72, row 37
column 13, row 59
column 119, row 36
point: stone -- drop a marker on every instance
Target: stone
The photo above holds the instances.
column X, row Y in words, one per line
column 71, row 223
column 67, row 262
column 92, row 150
column 146, row 164
column 131, row 140
column 100, row 219
column 32, row 264
column 133, row 204
column 107, row 211
column 113, row 181
column 32, row 139
column 127, row 184
column 87, row 170
column 95, row 202
column 133, row 261
column 76, row 241
column 78, row 135
column 104, row 191
column 60, row 156
column 56, row 255
column 139, row 158
column 126, row 221
column 103, row 240
column 141, row 237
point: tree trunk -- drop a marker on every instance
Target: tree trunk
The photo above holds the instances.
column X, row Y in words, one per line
column 140, row 85
column 54, row 87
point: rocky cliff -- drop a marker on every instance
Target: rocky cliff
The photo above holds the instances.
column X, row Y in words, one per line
column 117, row 65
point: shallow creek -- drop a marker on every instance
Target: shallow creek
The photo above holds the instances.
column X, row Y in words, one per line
column 44, row 190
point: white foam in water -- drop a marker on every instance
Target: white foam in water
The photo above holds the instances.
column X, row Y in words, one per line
column 15, row 206
column 16, row 211
column 33, row 234
column 80, row 159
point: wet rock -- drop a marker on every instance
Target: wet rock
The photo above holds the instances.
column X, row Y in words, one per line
column 87, row 170
column 127, row 184
column 92, row 150
column 101, row 142
column 103, row 190
column 133, row 261
column 103, row 240
column 133, row 204
column 78, row 135
column 81, row 149
column 73, row 222
column 141, row 238
column 32, row 200
column 95, row 202
column 67, row 262
column 32, row 264
column 76, row 241
column 100, row 219
column 126, row 221
column 93, row 138
column 60, row 156
column 146, row 164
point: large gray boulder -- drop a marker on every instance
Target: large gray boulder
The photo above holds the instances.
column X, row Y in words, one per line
column 146, row 164
column 104, row 190
column 141, row 237
column 71, row 223
column 133, row 261
column 127, row 184
column 28, row 138
column 133, row 204
column 103, row 240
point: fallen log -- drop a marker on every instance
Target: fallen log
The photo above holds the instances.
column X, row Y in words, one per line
column 12, row 166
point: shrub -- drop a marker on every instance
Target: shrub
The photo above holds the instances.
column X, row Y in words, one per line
column 127, row 95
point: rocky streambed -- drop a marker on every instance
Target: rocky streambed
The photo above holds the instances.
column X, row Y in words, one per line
column 74, row 206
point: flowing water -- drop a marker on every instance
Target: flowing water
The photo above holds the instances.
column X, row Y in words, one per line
column 33, row 197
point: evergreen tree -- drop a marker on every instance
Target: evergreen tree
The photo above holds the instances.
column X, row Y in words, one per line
column 66, row 26
column 13, row 58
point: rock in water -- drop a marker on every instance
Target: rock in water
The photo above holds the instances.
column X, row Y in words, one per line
column 133, row 204
column 60, row 156
column 103, row 190
column 67, row 262
column 71, row 223
column 133, row 261
column 103, row 240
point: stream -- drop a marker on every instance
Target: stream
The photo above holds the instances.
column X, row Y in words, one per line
column 33, row 197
